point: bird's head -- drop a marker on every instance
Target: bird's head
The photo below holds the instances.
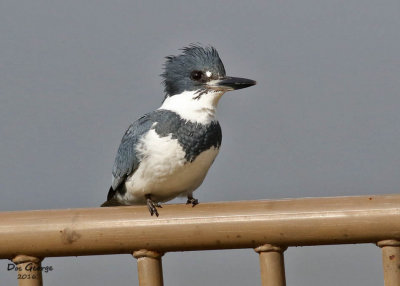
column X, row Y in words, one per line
column 199, row 70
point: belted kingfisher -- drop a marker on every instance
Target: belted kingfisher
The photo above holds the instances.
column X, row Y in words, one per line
column 167, row 152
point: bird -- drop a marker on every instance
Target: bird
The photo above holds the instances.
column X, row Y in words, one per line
column 167, row 152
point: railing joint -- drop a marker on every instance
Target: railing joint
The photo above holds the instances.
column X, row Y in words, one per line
column 388, row 242
column 270, row 248
column 147, row 253
column 29, row 270
column 272, row 264
column 149, row 267
column 390, row 261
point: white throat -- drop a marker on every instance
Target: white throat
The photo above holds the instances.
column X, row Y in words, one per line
column 193, row 108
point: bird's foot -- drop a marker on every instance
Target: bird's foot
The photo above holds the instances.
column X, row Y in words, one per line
column 192, row 201
column 152, row 206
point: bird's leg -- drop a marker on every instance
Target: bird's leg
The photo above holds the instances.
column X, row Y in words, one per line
column 152, row 206
column 192, row 201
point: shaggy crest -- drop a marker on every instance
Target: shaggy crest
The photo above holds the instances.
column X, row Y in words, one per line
column 178, row 69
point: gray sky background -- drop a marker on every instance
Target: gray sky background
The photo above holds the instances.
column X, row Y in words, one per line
column 323, row 120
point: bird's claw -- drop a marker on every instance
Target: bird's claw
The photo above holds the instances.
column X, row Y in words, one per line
column 192, row 201
column 152, row 206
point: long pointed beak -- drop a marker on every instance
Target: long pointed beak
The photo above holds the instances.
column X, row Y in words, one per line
column 230, row 83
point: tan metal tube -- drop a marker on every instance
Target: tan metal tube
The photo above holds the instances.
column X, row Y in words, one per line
column 29, row 270
column 149, row 268
column 391, row 261
column 272, row 265
column 228, row 225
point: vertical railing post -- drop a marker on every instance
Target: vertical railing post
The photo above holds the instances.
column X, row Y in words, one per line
column 149, row 267
column 29, row 270
column 391, row 261
column 272, row 265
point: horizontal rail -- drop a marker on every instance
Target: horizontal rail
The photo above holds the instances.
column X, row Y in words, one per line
column 227, row 225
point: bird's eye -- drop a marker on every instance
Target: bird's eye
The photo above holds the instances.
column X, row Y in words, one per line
column 196, row 75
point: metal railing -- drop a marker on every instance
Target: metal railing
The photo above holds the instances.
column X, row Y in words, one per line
column 267, row 226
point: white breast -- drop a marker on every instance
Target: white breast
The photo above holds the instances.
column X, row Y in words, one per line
column 164, row 172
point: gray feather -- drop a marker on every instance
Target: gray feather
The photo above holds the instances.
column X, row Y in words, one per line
column 127, row 160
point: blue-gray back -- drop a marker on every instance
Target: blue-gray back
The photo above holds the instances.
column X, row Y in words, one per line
column 127, row 159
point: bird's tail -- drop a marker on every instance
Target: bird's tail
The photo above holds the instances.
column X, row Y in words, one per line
column 111, row 199
column 111, row 203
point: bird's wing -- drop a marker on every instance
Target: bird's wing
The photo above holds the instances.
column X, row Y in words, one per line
column 127, row 159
